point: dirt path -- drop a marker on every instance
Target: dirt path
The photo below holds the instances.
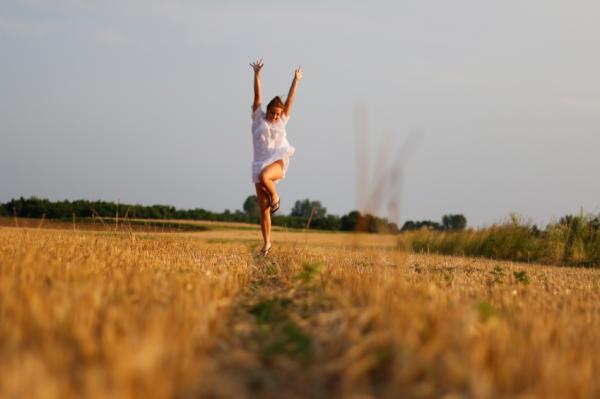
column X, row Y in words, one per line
column 268, row 345
column 285, row 337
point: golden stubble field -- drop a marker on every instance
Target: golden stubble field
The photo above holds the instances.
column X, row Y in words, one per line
column 186, row 315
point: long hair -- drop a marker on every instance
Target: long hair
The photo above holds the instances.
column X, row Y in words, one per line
column 275, row 102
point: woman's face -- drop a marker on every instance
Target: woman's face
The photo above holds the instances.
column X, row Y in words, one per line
column 273, row 114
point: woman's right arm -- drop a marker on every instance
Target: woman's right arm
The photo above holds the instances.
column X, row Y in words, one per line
column 257, row 66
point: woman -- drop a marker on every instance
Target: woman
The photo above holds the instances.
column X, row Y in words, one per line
column 272, row 151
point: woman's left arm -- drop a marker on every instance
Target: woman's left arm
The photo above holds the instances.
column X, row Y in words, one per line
column 292, row 93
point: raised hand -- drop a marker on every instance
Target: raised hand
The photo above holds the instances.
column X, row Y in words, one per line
column 257, row 65
column 292, row 93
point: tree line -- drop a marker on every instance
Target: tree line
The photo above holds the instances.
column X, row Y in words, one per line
column 305, row 213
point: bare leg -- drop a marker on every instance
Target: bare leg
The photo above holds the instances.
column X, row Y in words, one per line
column 271, row 172
column 264, row 214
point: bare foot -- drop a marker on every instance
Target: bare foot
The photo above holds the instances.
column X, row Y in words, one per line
column 265, row 249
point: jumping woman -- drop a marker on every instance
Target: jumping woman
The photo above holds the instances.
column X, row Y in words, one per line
column 272, row 151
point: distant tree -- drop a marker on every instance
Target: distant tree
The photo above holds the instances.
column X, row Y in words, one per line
column 421, row 224
column 408, row 226
column 240, row 216
column 82, row 208
column 164, row 211
column 287, row 221
column 251, row 206
column 429, row 225
column 393, row 228
column 304, row 208
column 373, row 224
column 355, row 221
column 59, row 209
column 349, row 221
column 454, row 222
column 330, row 222
column 32, row 207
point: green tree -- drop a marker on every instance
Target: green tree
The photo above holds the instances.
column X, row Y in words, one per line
column 421, row 224
column 251, row 206
column 303, row 208
column 349, row 221
column 454, row 222
column 330, row 222
column 409, row 225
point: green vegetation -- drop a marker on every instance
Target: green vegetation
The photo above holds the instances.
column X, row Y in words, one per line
column 573, row 240
column 485, row 311
column 279, row 334
column 309, row 272
column 306, row 207
column 277, row 317
column 34, row 207
column 521, row 276
column 497, row 274
column 449, row 223
column 251, row 207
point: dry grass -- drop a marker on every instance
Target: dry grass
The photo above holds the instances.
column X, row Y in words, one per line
column 326, row 315
column 86, row 315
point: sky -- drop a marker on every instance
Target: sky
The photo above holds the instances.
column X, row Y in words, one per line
column 476, row 107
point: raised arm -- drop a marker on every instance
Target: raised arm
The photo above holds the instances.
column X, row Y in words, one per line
column 292, row 93
column 257, row 66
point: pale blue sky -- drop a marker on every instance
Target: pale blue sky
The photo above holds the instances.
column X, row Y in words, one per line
column 148, row 101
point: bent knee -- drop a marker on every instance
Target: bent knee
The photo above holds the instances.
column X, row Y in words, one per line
column 264, row 205
column 263, row 177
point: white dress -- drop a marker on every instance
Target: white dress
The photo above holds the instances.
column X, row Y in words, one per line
column 270, row 143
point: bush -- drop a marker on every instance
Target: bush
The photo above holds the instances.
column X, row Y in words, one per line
column 573, row 240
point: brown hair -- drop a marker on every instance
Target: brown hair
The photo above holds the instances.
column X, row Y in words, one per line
column 276, row 102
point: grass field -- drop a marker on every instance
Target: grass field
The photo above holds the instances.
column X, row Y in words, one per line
column 136, row 225
column 134, row 314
